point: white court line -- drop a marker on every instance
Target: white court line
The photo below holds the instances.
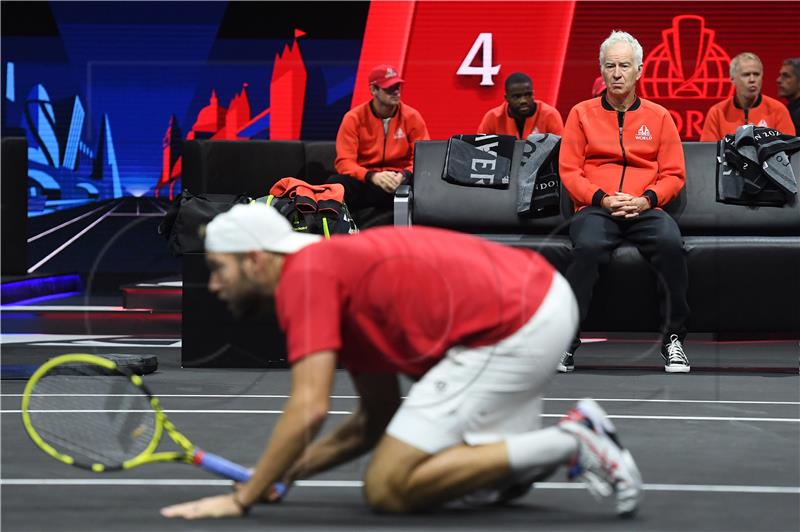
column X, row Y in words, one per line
column 65, row 224
column 345, row 412
column 32, row 338
column 74, row 308
column 710, row 401
column 275, row 396
column 139, row 411
column 703, row 488
column 136, row 215
column 157, row 206
column 73, row 239
column 97, row 343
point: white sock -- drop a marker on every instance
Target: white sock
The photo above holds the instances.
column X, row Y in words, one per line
column 540, row 448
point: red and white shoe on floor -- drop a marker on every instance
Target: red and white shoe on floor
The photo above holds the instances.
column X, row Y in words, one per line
column 601, row 462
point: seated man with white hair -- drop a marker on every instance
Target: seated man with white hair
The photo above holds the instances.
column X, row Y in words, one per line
column 621, row 161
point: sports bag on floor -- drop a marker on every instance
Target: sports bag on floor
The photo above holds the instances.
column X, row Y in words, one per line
column 317, row 209
column 188, row 213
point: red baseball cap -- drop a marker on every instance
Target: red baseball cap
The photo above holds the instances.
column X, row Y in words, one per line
column 384, row 76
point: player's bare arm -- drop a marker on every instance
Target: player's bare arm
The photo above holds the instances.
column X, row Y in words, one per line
column 303, row 415
column 359, row 433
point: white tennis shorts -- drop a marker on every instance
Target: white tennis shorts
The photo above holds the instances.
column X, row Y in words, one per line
column 479, row 395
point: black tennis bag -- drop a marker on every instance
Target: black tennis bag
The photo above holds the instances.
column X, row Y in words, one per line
column 188, row 213
column 329, row 217
column 754, row 167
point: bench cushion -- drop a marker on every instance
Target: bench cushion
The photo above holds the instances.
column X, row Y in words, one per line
column 319, row 158
column 241, row 167
column 484, row 210
column 472, row 209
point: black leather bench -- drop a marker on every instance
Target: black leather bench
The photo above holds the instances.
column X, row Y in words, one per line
column 744, row 263
column 14, row 197
column 252, row 167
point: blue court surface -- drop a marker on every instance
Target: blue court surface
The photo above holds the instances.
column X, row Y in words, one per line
column 719, row 448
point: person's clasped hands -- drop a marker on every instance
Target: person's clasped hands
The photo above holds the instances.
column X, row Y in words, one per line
column 625, row 205
column 387, row 180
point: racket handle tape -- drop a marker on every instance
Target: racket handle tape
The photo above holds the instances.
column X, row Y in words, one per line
column 220, row 466
column 225, row 468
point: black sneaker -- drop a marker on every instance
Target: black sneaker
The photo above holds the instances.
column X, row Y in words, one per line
column 675, row 360
column 567, row 363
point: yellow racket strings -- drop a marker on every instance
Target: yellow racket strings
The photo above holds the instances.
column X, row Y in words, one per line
column 94, row 416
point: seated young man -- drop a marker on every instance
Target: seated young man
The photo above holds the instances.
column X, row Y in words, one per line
column 520, row 114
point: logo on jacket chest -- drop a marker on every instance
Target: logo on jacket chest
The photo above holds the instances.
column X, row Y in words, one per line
column 399, row 134
column 643, row 133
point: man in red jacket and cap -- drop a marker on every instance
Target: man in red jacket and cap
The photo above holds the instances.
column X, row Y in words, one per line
column 375, row 143
column 622, row 160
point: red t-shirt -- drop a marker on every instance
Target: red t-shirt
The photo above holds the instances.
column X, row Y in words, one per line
column 396, row 299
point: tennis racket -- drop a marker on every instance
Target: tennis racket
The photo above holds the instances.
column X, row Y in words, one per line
column 87, row 412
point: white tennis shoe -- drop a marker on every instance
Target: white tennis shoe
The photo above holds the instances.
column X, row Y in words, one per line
column 602, row 464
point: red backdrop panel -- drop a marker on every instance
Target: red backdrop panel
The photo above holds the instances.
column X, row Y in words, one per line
column 684, row 73
column 687, row 49
column 526, row 36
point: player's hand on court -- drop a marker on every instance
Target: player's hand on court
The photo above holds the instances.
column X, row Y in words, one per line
column 206, row 508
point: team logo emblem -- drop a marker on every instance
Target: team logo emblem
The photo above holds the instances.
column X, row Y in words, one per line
column 643, row 133
column 687, row 63
column 399, row 134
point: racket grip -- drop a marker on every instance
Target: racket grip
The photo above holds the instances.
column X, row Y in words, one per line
column 221, row 466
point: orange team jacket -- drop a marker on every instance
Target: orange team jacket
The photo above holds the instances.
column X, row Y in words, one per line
column 546, row 119
column 641, row 157
column 362, row 146
column 724, row 117
column 291, row 186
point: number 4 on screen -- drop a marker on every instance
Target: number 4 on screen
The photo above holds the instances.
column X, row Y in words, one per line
column 486, row 70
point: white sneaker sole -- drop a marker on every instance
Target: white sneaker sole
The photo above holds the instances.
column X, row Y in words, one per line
column 677, row 369
column 628, row 496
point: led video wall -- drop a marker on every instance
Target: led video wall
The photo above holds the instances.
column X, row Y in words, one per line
column 107, row 92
